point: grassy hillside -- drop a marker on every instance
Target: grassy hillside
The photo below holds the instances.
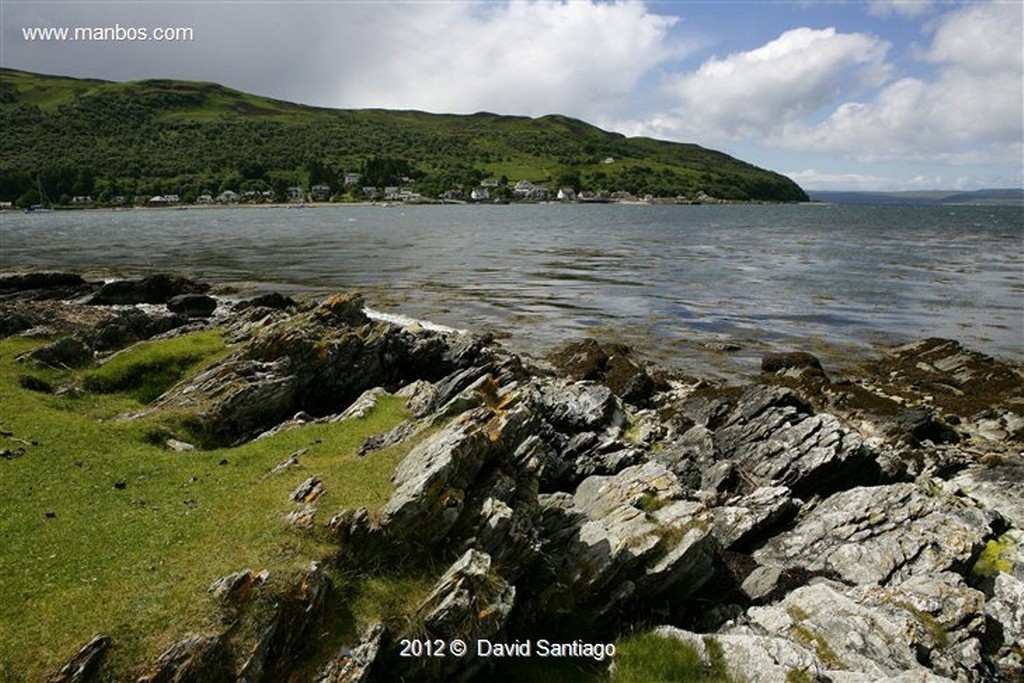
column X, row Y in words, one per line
column 88, row 137
column 106, row 531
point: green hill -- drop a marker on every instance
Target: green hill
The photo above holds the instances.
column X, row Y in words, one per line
column 72, row 137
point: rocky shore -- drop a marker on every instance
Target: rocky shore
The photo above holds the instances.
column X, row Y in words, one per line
column 803, row 527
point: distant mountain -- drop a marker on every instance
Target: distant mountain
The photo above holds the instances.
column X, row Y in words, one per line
column 1009, row 196
column 72, row 137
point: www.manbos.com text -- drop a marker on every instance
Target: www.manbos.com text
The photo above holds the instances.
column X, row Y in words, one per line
column 109, row 34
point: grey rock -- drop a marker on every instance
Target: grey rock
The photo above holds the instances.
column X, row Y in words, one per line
column 431, row 483
column 998, row 486
column 743, row 518
column 774, row 436
column 81, row 667
column 623, row 538
column 881, row 535
column 578, row 406
column 308, row 491
column 356, row 664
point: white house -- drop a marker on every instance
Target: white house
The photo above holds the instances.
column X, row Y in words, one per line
column 479, row 194
column 228, row 197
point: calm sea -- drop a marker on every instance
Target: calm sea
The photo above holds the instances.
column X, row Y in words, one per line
column 680, row 283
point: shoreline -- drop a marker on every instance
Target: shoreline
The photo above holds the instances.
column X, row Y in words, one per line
column 527, row 495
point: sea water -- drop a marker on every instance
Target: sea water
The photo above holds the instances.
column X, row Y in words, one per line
column 706, row 288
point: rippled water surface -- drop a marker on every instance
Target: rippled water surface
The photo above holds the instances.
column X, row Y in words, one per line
column 672, row 280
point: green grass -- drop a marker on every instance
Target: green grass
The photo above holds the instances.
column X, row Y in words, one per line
column 652, row 658
column 148, row 369
column 81, row 557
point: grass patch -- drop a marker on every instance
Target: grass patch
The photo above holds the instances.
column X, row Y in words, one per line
column 148, row 369
column 822, row 650
column 652, row 658
column 105, row 531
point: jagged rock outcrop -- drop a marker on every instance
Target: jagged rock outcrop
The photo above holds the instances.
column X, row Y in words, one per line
column 317, row 361
column 882, row 535
column 813, row 527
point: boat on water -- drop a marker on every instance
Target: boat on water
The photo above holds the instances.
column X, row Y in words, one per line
column 42, row 206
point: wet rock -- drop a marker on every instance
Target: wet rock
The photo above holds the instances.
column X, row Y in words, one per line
column 195, row 659
column 274, row 300
column 192, row 305
column 152, row 289
column 795, row 360
column 882, row 535
column 81, row 667
column 610, row 364
column 20, row 282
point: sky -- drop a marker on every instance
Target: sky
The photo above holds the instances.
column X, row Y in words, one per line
column 839, row 95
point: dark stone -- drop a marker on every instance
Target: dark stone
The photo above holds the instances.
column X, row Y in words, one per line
column 35, row 384
column 120, row 484
column 800, row 360
column 192, row 305
column 920, row 424
column 272, row 300
column 125, row 327
column 63, row 353
column 11, row 453
column 153, row 289
column 195, row 658
column 13, row 322
column 81, row 667
column 28, row 281
column 610, row 364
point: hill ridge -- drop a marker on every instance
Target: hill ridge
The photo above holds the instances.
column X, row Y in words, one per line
column 102, row 139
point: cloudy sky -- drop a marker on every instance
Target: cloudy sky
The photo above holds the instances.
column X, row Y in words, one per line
column 869, row 94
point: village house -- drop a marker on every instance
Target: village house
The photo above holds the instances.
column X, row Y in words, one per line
column 352, row 178
column 566, row 194
column 204, row 199
column 479, row 194
column 320, row 193
column 228, row 197
column 523, row 188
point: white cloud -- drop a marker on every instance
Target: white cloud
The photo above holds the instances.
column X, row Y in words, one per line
column 970, row 112
column 825, row 92
column 758, row 92
column 537, row 57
